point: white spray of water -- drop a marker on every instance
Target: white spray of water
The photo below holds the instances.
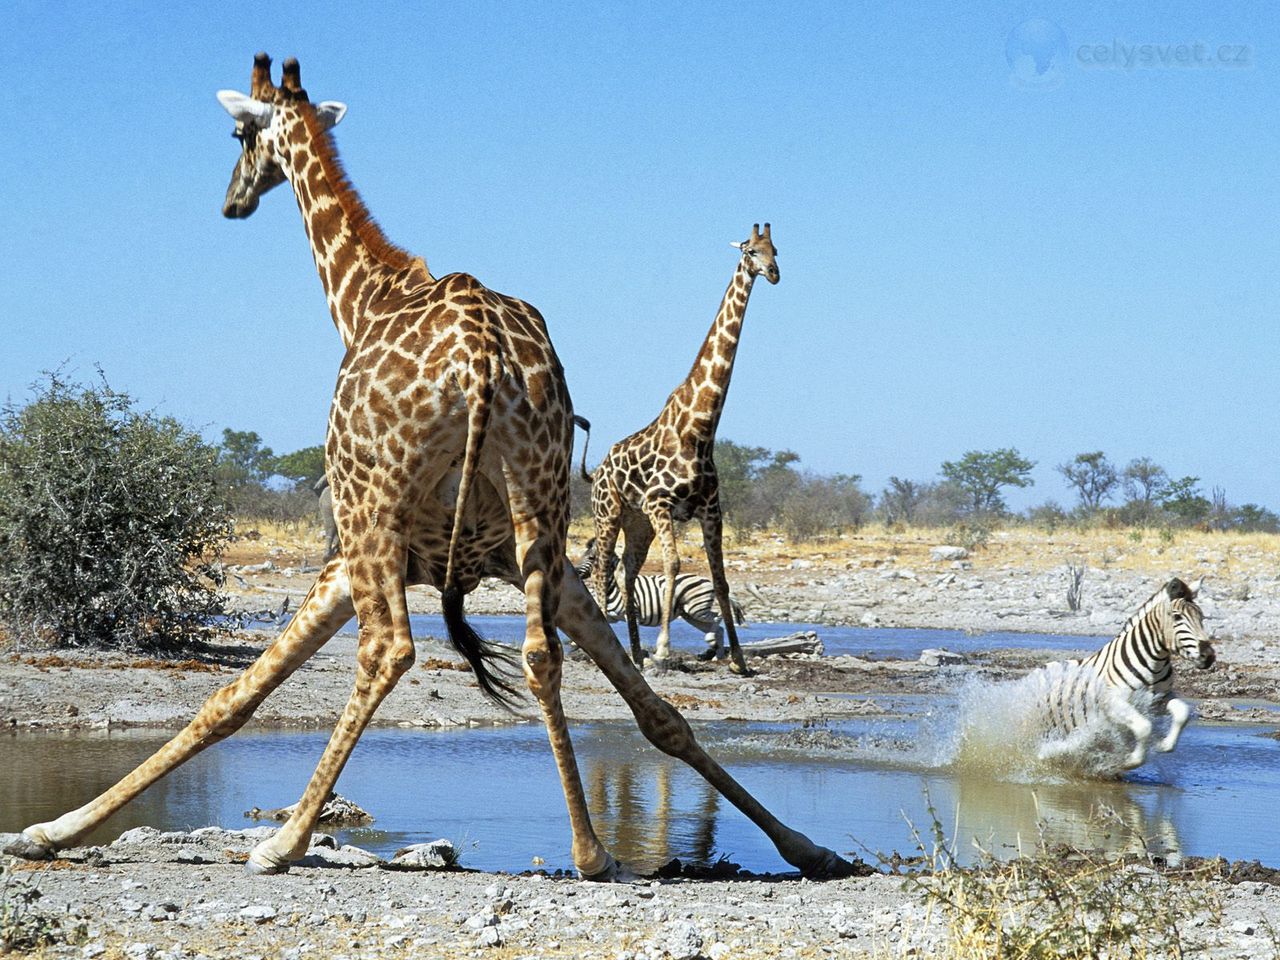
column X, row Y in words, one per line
column 1005, row 730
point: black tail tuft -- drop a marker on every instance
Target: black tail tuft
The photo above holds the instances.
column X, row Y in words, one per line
column 584, row 425
column 477, row 651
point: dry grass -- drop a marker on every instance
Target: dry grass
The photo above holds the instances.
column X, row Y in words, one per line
column 1149, row 552
column 1060, row 902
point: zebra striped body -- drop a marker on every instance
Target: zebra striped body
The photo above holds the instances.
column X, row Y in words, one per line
column 695, row 600
column 1136, row 668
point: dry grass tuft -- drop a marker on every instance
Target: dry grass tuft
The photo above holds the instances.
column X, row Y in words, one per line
column 1061, row 902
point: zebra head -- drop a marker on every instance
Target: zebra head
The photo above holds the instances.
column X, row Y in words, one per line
column 760, row 254
column 1187, row 636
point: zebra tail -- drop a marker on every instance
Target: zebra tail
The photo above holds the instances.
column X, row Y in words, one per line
column 738, row 615
column 585, row 426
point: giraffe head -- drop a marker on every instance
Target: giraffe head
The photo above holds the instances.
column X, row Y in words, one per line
column 263, row 118
column 759, row 253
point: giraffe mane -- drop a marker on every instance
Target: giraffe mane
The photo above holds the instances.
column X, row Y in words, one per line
column 362, row 222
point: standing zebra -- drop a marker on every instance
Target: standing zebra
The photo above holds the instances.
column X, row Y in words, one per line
column 1135, row 667
column 695, row 601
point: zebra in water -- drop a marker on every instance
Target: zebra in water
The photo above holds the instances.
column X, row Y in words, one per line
column 695, row 602
column 1134, row 669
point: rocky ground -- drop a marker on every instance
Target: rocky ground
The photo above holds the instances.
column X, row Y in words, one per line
column 185, row 895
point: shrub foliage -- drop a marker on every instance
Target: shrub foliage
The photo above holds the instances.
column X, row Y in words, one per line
column 110, row 522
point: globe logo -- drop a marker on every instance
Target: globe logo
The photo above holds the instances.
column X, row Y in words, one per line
column 1036, row 51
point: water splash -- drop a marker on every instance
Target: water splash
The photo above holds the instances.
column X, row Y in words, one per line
column 1006, row 731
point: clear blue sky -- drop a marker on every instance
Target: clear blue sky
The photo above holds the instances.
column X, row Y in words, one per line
column 974, row 254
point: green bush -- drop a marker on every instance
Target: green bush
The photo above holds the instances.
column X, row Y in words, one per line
column 110, row 522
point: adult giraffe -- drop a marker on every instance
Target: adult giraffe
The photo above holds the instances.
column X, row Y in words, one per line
column 448, row 455
column 666, row 472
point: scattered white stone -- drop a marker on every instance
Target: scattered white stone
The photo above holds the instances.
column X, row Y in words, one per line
column 140, row 951
column 430, row 856
column 947, row 552
column 258, row 912
column 489, row 937
column 1243, row 927
column 682, row 940
column 937, row 657
column 138, row 835
column 91, row 950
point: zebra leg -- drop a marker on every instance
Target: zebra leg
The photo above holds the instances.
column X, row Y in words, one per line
column 1122, row 712
column 712, row 534
column 712, row 633
column 1180, row 713
column 639, row 536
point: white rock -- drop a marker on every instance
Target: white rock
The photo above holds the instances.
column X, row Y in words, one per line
column 429, row 856
column 948, row 552
column 489, row 937
column 1243, row 927
column 682, row 940
column 936, row 657
column 139, row 835
column 258, row 912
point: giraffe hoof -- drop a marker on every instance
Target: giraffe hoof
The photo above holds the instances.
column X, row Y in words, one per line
column 740, row 668
column 613, row 872
column 29, row 849
column 829, row 865
column 264, row 870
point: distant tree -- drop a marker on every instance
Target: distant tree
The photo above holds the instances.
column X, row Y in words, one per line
column 738, row 466
column 900, row 501
column 982, row 474
column 1144, row 480
column 1183, row 499
column 817, row 505
column 242, row 458
column 1251, row 518
column 304, row 466
column 1092, row 476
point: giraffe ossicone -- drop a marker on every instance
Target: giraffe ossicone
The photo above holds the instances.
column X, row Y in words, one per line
column 448, row 449
column 666, row 472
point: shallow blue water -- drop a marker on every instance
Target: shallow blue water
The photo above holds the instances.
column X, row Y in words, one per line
column 494, row 791
column 871, row 643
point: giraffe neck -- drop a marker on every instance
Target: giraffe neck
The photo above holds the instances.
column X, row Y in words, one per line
column 357, row 264
column 704, row 390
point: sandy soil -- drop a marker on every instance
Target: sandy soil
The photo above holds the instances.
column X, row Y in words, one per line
column 186, row 896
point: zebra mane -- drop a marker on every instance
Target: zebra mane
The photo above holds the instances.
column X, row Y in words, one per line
column 1160, row 596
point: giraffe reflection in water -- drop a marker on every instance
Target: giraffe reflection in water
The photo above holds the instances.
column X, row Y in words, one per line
column 635, row 810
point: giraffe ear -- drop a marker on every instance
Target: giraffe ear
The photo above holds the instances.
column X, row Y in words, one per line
column 740, row 244
column 330, row 112
column 244, row 108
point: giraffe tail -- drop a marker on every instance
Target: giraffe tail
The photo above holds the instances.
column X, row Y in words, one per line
column 478, row 652
column 585, row 425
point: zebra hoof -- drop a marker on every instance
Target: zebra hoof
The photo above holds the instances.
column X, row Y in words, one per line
column 706, row 655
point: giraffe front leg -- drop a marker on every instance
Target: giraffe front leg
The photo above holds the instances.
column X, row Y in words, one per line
column 322, row 613
column 712, row 539
column 1180, row 713
column 384, row 653
column 660, row 519
column 639, row 537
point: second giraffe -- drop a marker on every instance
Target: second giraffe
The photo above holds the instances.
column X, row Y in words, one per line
column 666, row 473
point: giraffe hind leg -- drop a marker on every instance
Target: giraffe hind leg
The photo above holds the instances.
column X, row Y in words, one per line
column 664, row 727
column 322, row 613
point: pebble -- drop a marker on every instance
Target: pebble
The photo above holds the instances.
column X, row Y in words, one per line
column 259, row 912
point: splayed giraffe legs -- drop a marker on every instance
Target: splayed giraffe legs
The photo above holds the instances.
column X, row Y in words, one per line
column 324, row 610
column 667, row 730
